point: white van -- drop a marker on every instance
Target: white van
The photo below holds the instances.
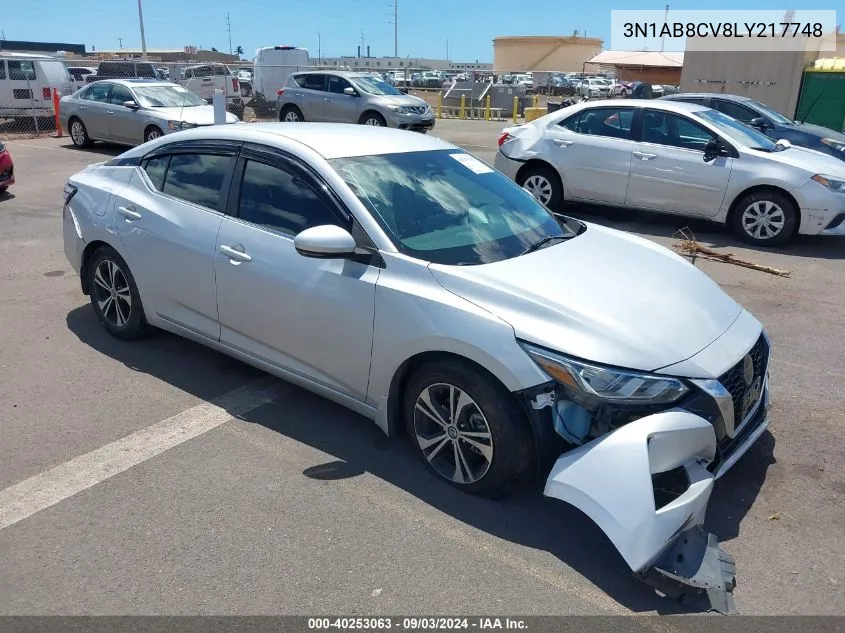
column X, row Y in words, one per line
column 27, row 82
column 273, row 65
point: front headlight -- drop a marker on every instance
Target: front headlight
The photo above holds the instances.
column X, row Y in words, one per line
column 174, row 125
column 395, row 108
column 605, row 383
column 835, row 185
column 832, row 142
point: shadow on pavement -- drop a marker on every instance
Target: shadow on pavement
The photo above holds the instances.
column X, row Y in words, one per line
column 99, row 149
column 707, row 233
column 358, row 446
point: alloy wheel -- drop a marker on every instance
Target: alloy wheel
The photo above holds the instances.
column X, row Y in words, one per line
column 77, row 133
column 453, row 433
column 112, row 293
column 373, row 121
column 763, row 219
column 153, row 134
column 292, row 117
column 540, row 188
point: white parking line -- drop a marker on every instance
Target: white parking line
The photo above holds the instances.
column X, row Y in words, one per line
column 52, row 486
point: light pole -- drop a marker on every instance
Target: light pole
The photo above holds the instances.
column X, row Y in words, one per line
column 319, row 50
column 141, row 22
column 396, row 28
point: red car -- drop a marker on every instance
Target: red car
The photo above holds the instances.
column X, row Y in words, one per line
column 7, row 168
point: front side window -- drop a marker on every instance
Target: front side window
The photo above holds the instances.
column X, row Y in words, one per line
column 97, row 92
column 281, row 200
column 120, row 94
column 448, row 207
column 737, row 111
column 777, row 117
column 338, row 84
column 612, row 122
column 21, row 70
column 197, row 178
column 666, row 128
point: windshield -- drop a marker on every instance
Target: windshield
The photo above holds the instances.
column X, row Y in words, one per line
column 167, row 97
column 448, row 207
column 736, row 131
column 375, row 86
column 777, row 117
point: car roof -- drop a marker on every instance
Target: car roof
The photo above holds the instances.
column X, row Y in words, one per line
column 659, row 104
column 345, row 73
column 330, row 140
column 704, row 95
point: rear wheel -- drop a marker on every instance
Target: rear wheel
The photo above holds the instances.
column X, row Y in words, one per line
column 544, row 184
column 79, row 134
column 468, row 428
column 291, row 114
column 114, row 295
column 765, row 218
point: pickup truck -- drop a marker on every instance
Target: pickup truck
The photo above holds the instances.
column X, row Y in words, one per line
column 204, row 79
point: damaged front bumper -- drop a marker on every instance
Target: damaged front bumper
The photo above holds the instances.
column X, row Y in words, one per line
column 647, row 485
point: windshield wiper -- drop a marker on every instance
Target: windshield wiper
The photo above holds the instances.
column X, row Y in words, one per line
column 542, row 242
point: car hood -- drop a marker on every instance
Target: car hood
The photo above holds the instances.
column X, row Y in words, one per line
column 198, row 115
column 605, row 296
column 817, row 130
column 810, row 160
column 402, row 100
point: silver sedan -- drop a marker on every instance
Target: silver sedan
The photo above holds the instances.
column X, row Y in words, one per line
column 132, row 111
column 405, row 279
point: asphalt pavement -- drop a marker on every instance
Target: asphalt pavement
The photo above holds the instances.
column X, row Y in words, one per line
column 184, row 482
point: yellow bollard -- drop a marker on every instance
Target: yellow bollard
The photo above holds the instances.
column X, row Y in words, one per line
column 535, row 100
column 487, row 109
column 463, row 106
column 515, row 108
column 439, row 105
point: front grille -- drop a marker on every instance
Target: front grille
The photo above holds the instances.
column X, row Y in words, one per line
column 733, row 379
column 416, row 109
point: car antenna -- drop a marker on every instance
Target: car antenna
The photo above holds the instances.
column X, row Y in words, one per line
column 812, row 105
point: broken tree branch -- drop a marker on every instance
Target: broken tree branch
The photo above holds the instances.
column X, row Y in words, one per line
column 689, row 247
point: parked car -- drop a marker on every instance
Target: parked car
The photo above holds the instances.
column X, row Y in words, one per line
column 27, row 82
column 79, row 73
column 205, row 79
column 678, row 158
column 770, row 122
column 429, row 298
column 124, row 70
column 132, row 111
column 349, row 97
column 593, row 89
column 657, row 91
column 7, row 168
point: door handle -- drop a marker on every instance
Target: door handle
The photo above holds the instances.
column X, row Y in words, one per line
column 233, row 253
column 83, row 107
column 129, row 213
column 562, row 143
column 644, row 155
column 326, row 99
column 109, row 111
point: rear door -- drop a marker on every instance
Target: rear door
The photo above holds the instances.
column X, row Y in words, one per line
column 311, row 95
column 592, row 152
column 94, row 109
column 668, row 172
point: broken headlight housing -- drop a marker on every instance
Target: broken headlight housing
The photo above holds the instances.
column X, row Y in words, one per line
column 590, row 384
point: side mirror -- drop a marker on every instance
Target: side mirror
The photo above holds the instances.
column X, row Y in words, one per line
column 130, row 104
column 325, row 242
column 714, row 149
column 759, row 122
column 350, row 91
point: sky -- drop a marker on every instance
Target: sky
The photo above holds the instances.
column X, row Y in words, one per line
column 427, row 28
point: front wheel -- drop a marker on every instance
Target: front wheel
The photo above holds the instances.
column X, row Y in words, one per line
column 374, row 119
column 765, row 218
column 468, row 428
column 152, row 133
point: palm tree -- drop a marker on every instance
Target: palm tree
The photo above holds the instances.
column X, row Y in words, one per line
column 239, row 50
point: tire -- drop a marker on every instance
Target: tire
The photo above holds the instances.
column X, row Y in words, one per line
column 112, row 289
column 4, row 188
column 291, row 114
column 764, row 218
column 544, row 184
column 152, row 133
column 79, row 133
column 497, row 461
column 372, row 118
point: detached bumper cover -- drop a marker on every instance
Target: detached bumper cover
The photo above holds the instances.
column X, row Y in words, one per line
column 611, row 480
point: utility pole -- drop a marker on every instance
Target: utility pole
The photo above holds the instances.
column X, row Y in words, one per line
column 229, row 31
column 363, row 50
column 396, row 28
column 319, row 50
column 120, row 41
column 665, row 20
column 447, row 50
column 141, row 23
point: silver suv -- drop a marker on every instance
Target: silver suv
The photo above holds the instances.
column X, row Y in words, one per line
column 344, row 97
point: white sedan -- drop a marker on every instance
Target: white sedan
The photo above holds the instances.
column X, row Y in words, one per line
column 403, row 278
column 677, row 158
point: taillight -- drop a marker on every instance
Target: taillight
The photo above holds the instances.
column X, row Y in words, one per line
column 46, row 94
column 504, row 138
column 235, row 84
column 280, row 92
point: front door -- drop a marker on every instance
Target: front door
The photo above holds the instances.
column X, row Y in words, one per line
column 168, row 219
column 668, row 172
column 338, row 106
column 592, row 151
column 313, row 317
column 125, row 125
